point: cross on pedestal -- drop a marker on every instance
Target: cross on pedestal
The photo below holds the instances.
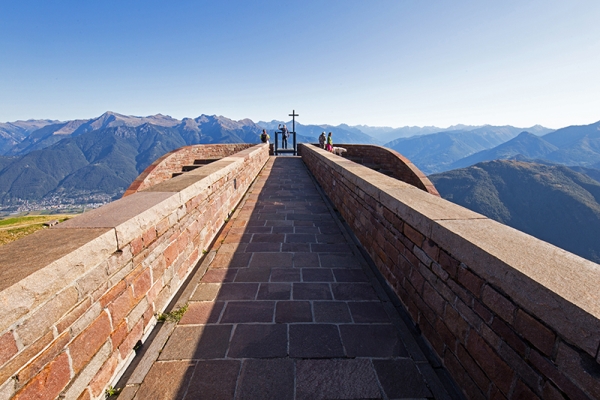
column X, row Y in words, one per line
column 294, row 115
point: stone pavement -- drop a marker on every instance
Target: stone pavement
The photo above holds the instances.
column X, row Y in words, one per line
column 285, row 307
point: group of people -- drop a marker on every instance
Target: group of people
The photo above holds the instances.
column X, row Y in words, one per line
column 285, row 134
column 326, row 142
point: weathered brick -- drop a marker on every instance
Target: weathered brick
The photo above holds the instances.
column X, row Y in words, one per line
column 102, row 378
column 24, row 356
column 472, row 369
column 580, row 367
column 171, row 254
column 149, row 236
column 550, row 392
column 461, row 292
column 549, row 370
column 84, row 346
column 448, row 263
column 132, row 338
column 532, row 330
column 482, row 311
column 414, row 235
column 142, row 284
column 49, row 382
column 464, row 381
column 494, row 367
column 509, row 336
column 46, row 316
column 468, row 314
column 137, row 245
column 456, row 323
column 518, row 364
column 433, row 299
column 119, row 334
column 471, row 281
column 8, row 347
column 46, row 356
column 121, row 306
column 499, row 304
column 522, row 392
column 73, row 315
column 113, row 293
column 85, row 395
column 431, row 249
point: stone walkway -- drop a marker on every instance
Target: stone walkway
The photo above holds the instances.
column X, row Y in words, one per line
column 287, row 309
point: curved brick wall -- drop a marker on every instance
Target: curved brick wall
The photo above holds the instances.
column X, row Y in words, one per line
column 509, row 316
column 391, row 163
column 164, row 167
column 76, row 298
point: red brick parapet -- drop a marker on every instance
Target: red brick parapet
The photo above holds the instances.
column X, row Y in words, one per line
column 509, row 316
column 164, row 167
column 389, row 162
column 76, row 298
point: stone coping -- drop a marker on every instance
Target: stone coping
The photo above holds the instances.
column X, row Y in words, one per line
column 557, row 286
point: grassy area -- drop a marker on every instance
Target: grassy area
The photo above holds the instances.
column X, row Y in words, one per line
column 15, row 228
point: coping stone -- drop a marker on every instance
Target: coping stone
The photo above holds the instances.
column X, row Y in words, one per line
column 557, row 286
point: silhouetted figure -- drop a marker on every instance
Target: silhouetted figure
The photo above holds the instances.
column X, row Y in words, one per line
column 264, row 137
column 322, row 140
column 329, row 143
column 284, row 135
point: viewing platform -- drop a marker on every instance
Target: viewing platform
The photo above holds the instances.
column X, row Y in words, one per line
column 315, row 276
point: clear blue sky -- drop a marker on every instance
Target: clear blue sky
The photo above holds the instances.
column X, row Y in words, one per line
column 382, row 63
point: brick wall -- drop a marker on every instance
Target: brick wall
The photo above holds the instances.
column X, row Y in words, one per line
column 390, row 162
column 75, row 299
column 509, row 316
column 164, row 167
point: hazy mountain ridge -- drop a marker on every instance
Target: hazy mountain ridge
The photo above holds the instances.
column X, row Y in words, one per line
column 551, row 202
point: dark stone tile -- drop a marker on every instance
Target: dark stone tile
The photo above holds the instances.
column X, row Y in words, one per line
column 253, row 275
column 197, row 342
column 259, row 229
column 263, row 247
column 331, row 229
column 296, row 247
column 219, row 275
column 353, row 291
column 307, row 229
column 330, row 248
column 258, row 341
column 304, row 223
column 254, row 222
column 206, row 292
column 213, row 380
column 350, row 275
column 311, row 291
column 368, row 311
column 315, row 341
column 331, row 311
column 331, row 238
column 372, row 341
column 400, row 378
column 307, row 217
column 271, row 260
column 248, row 311
column 202, row 312
column 268, row 238
column 285, row 275
column 274, row 291
column 317, row 275
column 300, row 238
column 268, row 217
column 266, row 379
column 283, row 229
column 230, row 260
column 167, row 378
column 306, row 260
column 339, row 261
column 237, row 291
column 293, row 311
column 279, row 223
column 336, row 379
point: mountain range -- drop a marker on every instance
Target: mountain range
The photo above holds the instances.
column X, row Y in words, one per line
column 551, row 202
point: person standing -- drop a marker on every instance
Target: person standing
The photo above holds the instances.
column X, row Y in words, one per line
column 329, row 143
column 264, row 137
column 322, row 140
column 284, row 136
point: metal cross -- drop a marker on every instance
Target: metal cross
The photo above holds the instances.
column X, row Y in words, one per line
column 294, row 115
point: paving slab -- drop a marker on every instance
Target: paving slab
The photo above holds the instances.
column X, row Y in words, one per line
column 287, row 309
